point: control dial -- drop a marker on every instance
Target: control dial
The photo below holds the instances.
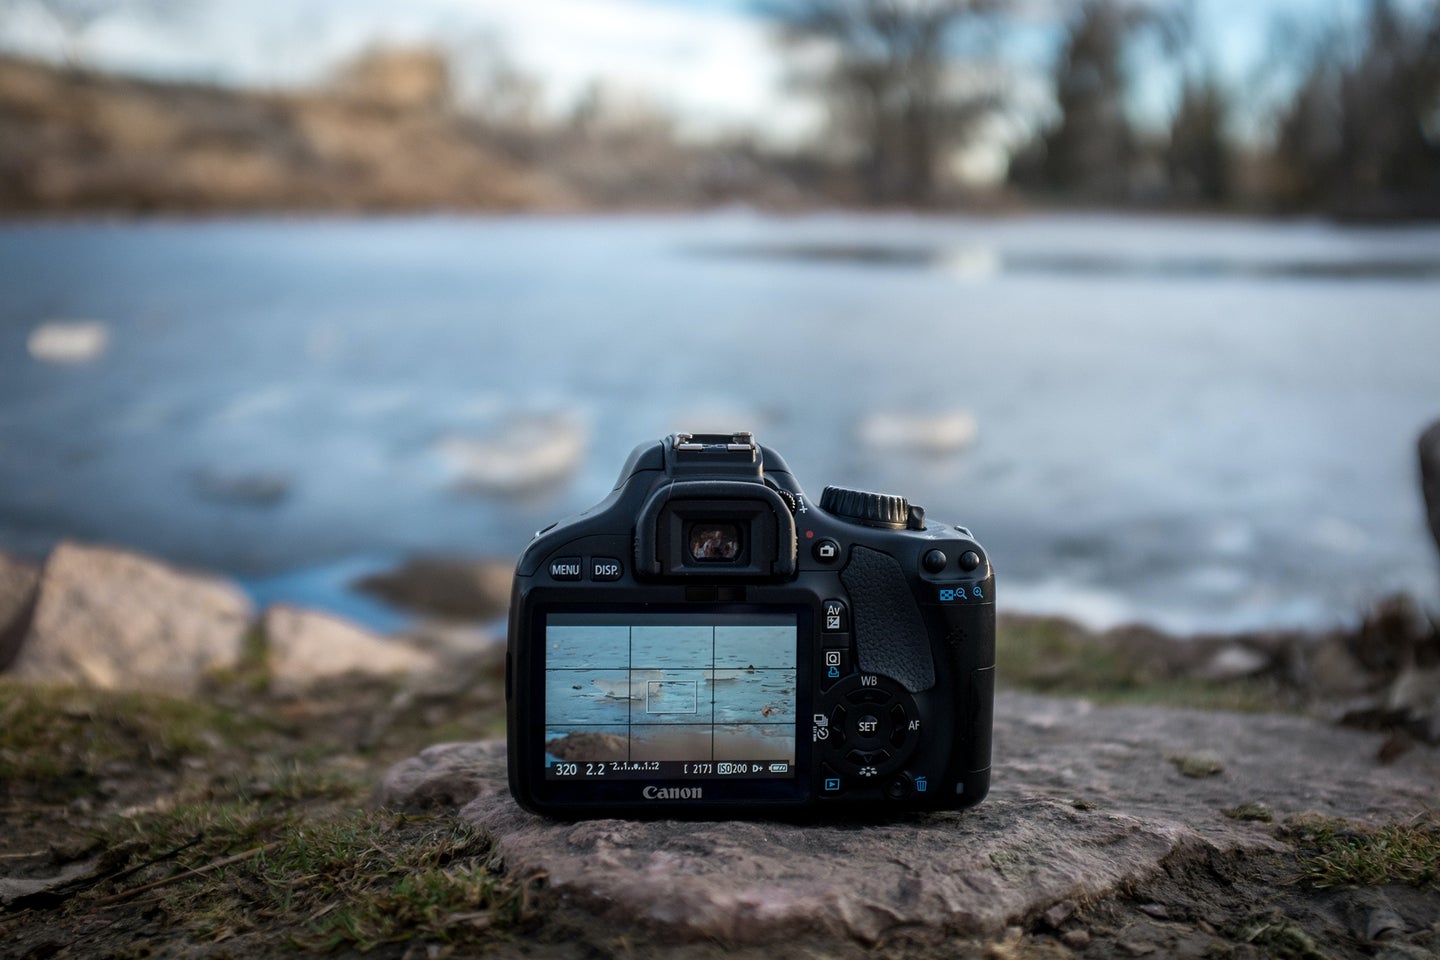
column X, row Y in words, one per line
column 871, row 509
column 872, row 726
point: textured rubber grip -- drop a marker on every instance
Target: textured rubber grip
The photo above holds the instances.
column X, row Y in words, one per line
column 890, row 634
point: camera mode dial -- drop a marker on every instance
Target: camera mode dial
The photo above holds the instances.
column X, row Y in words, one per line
column 885, row 510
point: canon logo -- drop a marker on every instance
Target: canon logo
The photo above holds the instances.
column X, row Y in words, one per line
column 672, row 793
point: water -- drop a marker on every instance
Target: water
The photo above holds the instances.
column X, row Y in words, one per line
column 666, row 688
column 1205, row 425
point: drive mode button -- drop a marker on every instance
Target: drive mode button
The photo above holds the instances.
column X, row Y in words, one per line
column 605, row 568
column 565, row 568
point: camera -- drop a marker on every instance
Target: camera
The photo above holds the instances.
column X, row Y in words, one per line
column 707, row 641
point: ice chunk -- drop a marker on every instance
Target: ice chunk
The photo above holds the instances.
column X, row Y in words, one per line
column 526, row 453
column 69, row 341
column 935, row 434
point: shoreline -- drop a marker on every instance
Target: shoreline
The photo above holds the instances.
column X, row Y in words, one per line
column 89, row 611
column 334, row 587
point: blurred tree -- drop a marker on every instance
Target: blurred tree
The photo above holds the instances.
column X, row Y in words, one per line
column 1306, row 157
column 1198, row 156
column 495, row 89
column 891, row 83
column 1361, row 134
column 73, row 19
column 1091, row 152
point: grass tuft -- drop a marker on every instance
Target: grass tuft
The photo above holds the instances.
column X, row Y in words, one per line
column 49, row 733
column 1341, row 853
column 1059, row 657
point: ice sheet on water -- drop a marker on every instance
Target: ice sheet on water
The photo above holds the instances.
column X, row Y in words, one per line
column 518, row 455
column 69, row 341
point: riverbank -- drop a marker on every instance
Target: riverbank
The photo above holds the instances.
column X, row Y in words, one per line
column 247, row 824
column 78, row 142
column 248, row 816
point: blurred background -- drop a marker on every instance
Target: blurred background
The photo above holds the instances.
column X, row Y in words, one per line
column 1145, row 293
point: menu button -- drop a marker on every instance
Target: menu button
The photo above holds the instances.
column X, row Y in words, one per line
column 566, row 568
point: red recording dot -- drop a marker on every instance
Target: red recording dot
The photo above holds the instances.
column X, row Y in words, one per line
column 809, row 534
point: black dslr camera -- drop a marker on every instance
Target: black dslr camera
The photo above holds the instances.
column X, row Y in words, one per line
column 707, row 641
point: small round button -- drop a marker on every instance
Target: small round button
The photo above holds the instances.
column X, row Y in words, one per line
column 825, row 551
column 934, row 561
column 870, row 729
column 969, row 560
column 898, row 788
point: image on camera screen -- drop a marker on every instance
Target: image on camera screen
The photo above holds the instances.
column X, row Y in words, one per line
column 670, row 695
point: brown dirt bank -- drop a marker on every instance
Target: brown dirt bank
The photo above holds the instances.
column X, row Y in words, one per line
column 81, row 142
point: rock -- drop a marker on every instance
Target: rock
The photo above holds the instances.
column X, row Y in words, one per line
column 1430, row 477
column 1059, row 913
column 1084, row 801
column 1334, row 672
column 1383, row 923
column 305, row 648
column 592, row 746
column 1232, row 662
column 457, row 642
column 34, row 889
column 446, row 775
column 449, row 587
column 116, row 620
column 19, row 591
column 244, row 488
column 1197, row 765
column 1414, row 697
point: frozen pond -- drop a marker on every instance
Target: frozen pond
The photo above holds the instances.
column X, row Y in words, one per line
column 1203, row 424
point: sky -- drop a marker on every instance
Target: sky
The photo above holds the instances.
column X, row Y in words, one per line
column 714, row 64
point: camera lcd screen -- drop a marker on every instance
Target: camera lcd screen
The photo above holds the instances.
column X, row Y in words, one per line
column 673, row 696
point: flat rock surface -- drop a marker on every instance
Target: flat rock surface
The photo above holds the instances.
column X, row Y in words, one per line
column 306, row 647
column 116, row 620
column 1084, row 799
column 19, row 585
